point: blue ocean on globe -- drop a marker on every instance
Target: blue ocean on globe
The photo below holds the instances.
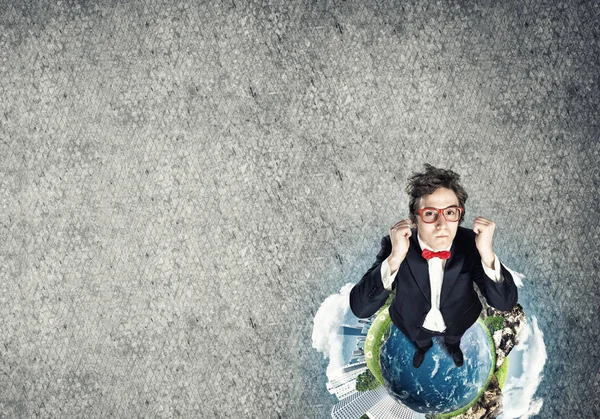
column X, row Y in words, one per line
column 437, row 386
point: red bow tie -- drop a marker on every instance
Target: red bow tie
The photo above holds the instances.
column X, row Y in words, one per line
column 428, row 254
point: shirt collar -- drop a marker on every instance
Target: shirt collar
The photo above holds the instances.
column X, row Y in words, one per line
column 424, row 246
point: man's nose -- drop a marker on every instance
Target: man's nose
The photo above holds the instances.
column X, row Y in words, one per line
column 441, row 220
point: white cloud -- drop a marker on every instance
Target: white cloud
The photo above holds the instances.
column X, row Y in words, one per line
column 530, row 356
column 436, row 359
column 327, row 321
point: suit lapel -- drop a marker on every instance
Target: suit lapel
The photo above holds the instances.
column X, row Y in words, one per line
column 418, row 266
column 453, row 266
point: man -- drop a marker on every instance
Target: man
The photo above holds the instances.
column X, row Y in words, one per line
column 433, row 267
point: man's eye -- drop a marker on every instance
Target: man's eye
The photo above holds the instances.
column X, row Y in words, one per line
column 450, row 211
column 429, row 213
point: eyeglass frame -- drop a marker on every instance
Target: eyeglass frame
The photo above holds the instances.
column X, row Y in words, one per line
column 461, row 210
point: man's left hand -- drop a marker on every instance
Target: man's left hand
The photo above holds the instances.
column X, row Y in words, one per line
column 484, row 230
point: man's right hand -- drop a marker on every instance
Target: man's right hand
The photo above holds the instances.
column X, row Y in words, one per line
column 399, row 236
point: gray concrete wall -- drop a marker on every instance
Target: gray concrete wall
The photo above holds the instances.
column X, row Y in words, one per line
column 183, row 183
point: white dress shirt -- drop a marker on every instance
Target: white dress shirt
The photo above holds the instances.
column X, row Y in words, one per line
column 434, row 320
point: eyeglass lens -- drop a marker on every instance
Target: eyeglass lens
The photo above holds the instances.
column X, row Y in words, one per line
column 451, row 214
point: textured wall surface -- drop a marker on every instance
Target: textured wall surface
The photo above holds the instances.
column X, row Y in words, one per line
column 183, row 183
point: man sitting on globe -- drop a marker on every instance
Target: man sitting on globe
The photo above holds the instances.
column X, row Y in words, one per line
column 432, row 267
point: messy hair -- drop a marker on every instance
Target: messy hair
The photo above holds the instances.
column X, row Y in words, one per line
column 425, row 183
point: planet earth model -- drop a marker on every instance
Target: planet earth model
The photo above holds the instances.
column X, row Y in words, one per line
column 437, row 386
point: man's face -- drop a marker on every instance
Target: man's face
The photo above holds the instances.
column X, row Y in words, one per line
column 440, row 233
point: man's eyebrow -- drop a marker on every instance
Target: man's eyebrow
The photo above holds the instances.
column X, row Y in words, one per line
column 450, row 206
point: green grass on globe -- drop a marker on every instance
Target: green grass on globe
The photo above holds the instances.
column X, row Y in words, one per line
column 502, row 373
column 376, row 336
column 493, row 324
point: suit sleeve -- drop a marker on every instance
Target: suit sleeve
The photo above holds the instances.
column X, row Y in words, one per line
column 369, row 294
column 501, row 294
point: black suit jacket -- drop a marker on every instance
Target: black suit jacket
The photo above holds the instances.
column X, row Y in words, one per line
column 459, row 303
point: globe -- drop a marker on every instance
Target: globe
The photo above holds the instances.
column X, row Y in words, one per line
column 437, row 386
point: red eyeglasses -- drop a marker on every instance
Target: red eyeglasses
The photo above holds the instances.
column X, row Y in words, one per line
column 430, row 215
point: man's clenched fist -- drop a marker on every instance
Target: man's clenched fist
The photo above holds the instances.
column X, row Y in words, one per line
column 399, row 235
column 484, row 230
